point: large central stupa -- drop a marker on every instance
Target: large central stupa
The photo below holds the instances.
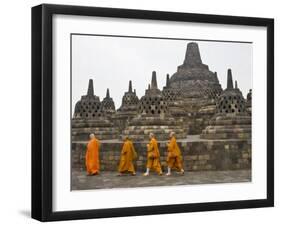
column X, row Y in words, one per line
column 197, row 89
column 193, row 78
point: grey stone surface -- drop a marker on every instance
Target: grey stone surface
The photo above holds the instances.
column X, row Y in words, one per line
column 111, row 180
column 217, row 154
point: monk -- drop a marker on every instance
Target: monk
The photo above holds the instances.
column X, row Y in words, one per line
column 128, row 154
column 92, row 156
column 174, row 158
column 153, row 156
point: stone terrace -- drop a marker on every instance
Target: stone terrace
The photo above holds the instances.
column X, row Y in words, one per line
column 198, row 154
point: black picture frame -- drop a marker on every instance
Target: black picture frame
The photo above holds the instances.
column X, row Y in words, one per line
column 42, row 111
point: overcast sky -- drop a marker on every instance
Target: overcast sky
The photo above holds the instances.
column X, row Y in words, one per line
column 112, row 61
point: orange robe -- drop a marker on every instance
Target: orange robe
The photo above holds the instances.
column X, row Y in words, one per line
column 174, row 158
column 92, row 156
column 128, row 154
column 153, row 156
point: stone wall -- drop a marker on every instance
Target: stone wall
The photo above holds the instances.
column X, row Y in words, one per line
column 197, row 155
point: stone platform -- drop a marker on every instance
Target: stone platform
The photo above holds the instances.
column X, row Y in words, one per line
column 198, row 154
column 110, row 179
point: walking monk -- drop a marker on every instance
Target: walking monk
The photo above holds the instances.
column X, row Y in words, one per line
column 128, row 154
column 174, row 158
column 92, row 156
column 153, row 156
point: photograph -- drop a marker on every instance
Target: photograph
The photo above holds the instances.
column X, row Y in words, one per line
column 159, row 111
column 145, row 112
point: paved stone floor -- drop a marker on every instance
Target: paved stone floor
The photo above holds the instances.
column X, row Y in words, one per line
column 80, row 181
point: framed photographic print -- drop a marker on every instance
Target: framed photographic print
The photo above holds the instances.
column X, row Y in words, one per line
column 145, row 112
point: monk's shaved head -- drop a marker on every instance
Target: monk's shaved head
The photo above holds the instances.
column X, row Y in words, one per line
column 172, row 134
column 151, row 135
column 92, row 136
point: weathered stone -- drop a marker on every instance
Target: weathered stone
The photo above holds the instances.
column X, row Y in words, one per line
column 218, row 158
column 193, row 77
column 249, row 102
column 128, row 109
column 108, row 106
column 231, row 121
column 153, row 117
column 89, row 117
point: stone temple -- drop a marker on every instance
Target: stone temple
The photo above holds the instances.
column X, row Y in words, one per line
column 213, row 126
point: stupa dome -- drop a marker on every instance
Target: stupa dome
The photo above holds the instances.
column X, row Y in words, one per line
column 193, row 77
column 108, row 106
column 89, row 106
column 231, row 99
column 153, row 102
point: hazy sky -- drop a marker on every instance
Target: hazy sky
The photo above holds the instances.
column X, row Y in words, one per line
column 112, row 61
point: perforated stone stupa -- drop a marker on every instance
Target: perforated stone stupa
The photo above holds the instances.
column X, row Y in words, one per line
column 130, row 101
column 89, row 117
column 128, row 109
column 153, row 116
column 231, row 120
column 107, row 104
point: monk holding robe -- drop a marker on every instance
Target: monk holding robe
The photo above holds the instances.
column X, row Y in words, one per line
column 153, row 156
column 128, row 154
column 174, row 158
column 92, row 156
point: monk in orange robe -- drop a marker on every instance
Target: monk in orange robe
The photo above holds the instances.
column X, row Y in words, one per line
column 128, row 154
column 153, row 156
column 92, row 156
column 174, row 158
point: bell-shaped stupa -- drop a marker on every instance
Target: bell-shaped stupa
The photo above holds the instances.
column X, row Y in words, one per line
column 193, row 78
column 128, row 108
column 231, row 121
column 107, row 104
column 89, row 117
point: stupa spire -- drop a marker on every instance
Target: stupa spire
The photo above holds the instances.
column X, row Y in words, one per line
column 154, row 81
column 90, row 91
column 192, row 55
column 236, row 85
column 107, row 93
column 167, row 80
column 130, row 86
column 229, row 79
